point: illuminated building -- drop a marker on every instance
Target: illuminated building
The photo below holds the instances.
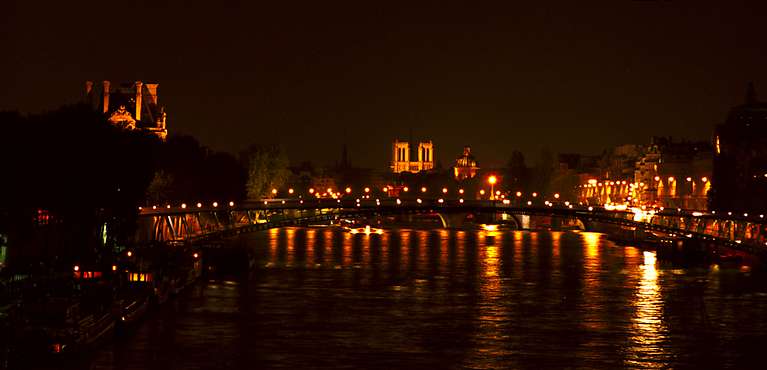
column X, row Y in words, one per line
column 465, row 165
column 739, row 178
column 662, row 174
column 403, row 158
column 130, row 105
column 673, row 174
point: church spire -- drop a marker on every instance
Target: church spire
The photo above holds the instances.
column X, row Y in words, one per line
column 345, row 162
column 751, row 94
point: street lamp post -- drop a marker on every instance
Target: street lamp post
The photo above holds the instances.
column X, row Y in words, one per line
column 492, row 180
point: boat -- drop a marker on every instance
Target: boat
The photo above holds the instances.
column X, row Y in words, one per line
column 58, row 326
column 132, row 308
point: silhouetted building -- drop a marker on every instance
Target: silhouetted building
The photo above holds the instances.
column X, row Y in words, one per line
column 740, row 158
column 465, row 165
column 129, row 105
column 404, row 160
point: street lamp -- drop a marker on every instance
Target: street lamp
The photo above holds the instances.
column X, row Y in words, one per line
column 492, row 180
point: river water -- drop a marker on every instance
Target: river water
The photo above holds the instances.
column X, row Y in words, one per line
column 433, row 299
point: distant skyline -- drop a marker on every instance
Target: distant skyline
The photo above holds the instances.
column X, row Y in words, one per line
column 569, row 76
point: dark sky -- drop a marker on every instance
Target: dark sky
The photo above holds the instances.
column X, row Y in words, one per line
column 573, row 76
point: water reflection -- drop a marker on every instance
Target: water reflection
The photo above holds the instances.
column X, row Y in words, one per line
column 649, row 332
column 322, row 298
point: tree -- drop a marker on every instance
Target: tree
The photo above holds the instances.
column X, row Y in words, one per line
column 161, row 187
column 267, row 168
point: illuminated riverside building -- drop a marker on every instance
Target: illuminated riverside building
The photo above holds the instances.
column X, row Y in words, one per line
column 404, row 160
column 129, row 105
column 465, row 165
column 668, row 174
column 674, row 174
column 740, row 158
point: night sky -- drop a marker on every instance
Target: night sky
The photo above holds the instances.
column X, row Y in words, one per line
column 574, row 77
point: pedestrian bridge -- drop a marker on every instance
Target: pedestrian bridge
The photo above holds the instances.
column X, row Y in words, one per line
column 199, row 223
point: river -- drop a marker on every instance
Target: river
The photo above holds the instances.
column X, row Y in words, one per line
column 432, row 299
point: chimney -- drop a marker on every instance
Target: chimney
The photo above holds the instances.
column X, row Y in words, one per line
column 139, row 85
column 106, row 96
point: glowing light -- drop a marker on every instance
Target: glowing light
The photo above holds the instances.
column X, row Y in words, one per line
column 591, row 208
column 444, row 190
column 688, row 179
column 419, row 200
column 519, row 194
column 399, row 201
column 460, row 191
column 704, row 179
column 139, row 208
column 311, row 190
column 290, row 191
column 274, row 191
column 529, row 203
column 129, row 253
column 482, row 192
column 195, row 255
column 183, row 205
column 535, row 195
column 506, row 201
column 656, row 178
column 385, row 190
column 670, row 179
column 330, row 190
column 114, row 267
column 492, row 180
column 154, row 207
column 423, row 189
column 649, row 257
column 460, row 200
column 348, row 190
column 556, row 195
column 440, row 200
column 497, row 192
column 406, row 189
column 199, row 205
column 231, row 204
column 489, row 227
column 77, row 268
column 367, row 190
column 215, row 204
column 168, row 206
column 697, row 214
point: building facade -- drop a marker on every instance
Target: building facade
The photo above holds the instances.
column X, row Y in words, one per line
column 416, row 158
column 739, row 179
column 664, row 173
column 129, row 105
column 465, row 165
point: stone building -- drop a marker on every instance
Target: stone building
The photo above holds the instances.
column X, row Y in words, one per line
column 465, row 165
column 674, row 174
column 664, row 173
column 416, row 158
column 131, row 105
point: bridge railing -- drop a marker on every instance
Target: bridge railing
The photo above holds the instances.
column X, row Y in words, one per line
column 181, row 224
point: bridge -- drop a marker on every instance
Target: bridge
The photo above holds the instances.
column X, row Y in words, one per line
column 199, row 223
